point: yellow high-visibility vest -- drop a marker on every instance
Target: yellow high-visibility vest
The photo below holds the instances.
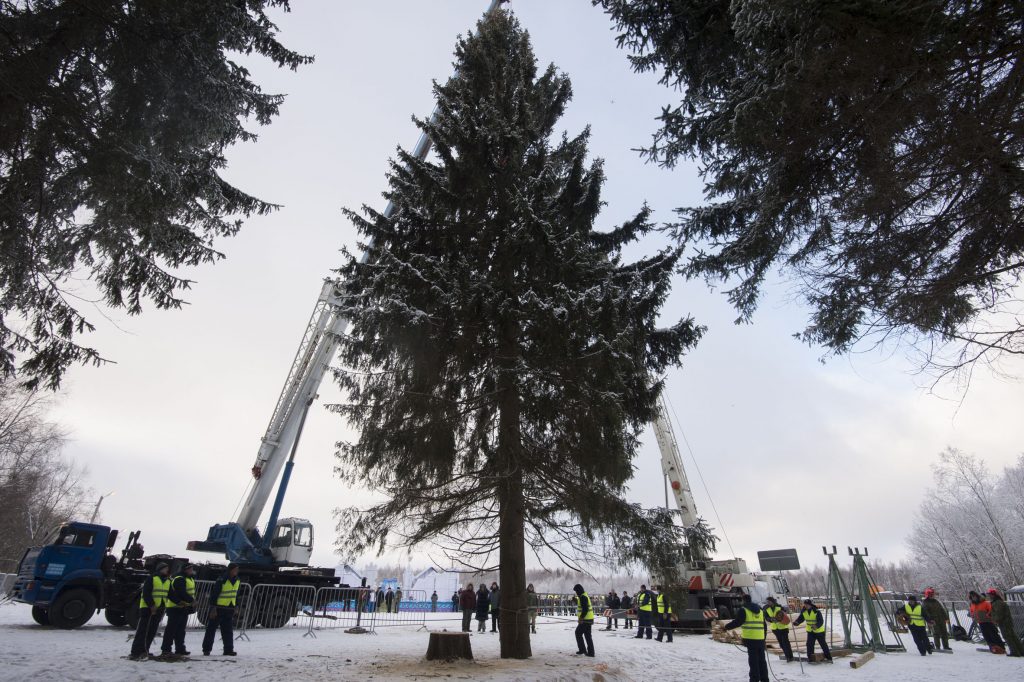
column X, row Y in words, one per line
column 589, row 613
column 645, row 606
column 228, row 592
column 160, row 589
column 753, row 624
column 659, row 605
column 773, row 612
column 811, row 621
column 914, row 613
column 190, row 590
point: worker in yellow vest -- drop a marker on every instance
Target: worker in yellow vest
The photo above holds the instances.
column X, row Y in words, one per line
column 152, row 602
column 779, row 625
column 750, row 620
column 815, row 624
column 915, row 621
column 644, row 604
column 180, row 600
column 663, row 613
column 585, row 622
column 223, row 599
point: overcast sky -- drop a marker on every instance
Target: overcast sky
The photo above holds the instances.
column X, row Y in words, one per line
column 837, row 452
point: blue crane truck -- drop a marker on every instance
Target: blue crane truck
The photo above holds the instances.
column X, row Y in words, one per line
column 74, row 575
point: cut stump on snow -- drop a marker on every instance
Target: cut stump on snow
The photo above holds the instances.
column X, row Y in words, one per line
column 449, row 646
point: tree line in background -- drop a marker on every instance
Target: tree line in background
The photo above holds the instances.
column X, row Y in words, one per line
column 40, row 488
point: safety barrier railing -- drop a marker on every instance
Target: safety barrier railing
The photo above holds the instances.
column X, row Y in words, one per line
column 198, row 618
column 404, row 614
column 275, row 606
column 339, row 607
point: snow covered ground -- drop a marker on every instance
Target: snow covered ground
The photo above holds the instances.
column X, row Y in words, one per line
column 96, row 652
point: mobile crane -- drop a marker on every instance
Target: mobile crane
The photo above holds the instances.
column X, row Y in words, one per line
column 714, row 588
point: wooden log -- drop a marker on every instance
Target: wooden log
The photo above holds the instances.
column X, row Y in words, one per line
column 862, row 659
column 449, row 646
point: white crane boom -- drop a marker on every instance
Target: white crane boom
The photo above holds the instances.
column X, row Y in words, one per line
column 311, row 363
column 672, row 465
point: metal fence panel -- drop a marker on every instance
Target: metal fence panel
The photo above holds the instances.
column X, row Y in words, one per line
column 339, row 607
column 274, row 606
column 203, row 587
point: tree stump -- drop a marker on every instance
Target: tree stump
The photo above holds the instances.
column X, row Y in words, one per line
column 448, row 646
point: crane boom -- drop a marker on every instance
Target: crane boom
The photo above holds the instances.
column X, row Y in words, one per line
column 307, row 372
column 672, row 465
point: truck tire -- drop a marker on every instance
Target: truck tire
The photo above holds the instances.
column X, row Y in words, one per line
column 72, row 609
column 115, row 617
column 40, row 615
column 131, row 616
column 278, row 612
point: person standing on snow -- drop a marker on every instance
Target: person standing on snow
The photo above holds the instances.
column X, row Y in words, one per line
column 936, row 614
column 1002, row 617
column 180, row 600
column 495, row 606
column 223, row 599
column 483, row 607
column 815, row 623
column 981, row 612
column 389, row 600
column 467, row 601
column 532, row 602
column 152, row 603
column 750, row 619
column 626, row 603
column 585, row 622
column 779, row 620
column 643, row 613
column 663, row 613
column 912, row 613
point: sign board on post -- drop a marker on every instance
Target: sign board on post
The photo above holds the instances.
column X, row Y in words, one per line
column 778, row 560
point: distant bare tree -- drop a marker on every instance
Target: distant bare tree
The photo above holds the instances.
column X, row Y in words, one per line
column 39, row 487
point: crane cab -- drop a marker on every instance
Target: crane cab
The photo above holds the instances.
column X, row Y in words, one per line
column 292, row 543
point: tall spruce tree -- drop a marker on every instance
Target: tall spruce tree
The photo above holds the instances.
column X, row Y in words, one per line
column 500, row 360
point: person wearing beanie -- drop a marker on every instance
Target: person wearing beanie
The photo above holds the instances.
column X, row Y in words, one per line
column 779, row 620
column 152, row 603
column 223, row 600
column 914, row 616
column 936, row 614
column 815, row 624
column 585, row 622
column 1002, row 617
column 751, row 619
column 643, row 603
column 180, row 600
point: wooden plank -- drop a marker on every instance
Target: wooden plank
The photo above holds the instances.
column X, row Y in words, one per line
column 862, row 659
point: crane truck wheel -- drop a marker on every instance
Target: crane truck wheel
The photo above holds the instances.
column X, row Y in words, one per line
column 72, row 609
column 40, row 615
column 278, row 612
column 115, row 617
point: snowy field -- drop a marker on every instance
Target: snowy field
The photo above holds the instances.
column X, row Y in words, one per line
column 96, row 652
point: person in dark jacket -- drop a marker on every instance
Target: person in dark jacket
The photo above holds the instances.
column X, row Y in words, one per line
column 223, row 600
column 495, row 606
column 180, row 598
column 936, row 614
column 152, row 603
column 643, row 612
column 433, row 602
column 455, row 601
column 913, row 614
column 467, row 602
column 532, row 602
column 483, row 607
column 585, row 622
column 752, row 621
column 1002, row 617
column 815, row 624
column 627, row 603
column 775, row 615
column 612, row 601
column 389, row 599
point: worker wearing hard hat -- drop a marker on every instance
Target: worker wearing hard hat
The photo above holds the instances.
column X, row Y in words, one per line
column 936, row 614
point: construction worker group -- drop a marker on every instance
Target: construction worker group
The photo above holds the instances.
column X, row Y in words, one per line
column 176, row 597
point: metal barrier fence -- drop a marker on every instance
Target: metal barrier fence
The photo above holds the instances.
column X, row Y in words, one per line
column 274, row 606
column 203, row 587
column 340, row 607
column 411, row 612
column 556, row 604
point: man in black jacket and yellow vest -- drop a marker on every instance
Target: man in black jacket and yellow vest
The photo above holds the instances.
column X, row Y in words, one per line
column 815, row 625
column 151, row 611
column 912, row 613
column 643, row 612
column 663, row 613
column 223, row 598
column 585, row 616
column 751, row 619
column 180, row 598
column 776, row 615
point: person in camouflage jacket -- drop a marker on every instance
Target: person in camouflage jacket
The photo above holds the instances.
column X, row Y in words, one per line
column 936, row 614
column 1002, row 617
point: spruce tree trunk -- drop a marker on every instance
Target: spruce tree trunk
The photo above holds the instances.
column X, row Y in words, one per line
column 513, row 616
